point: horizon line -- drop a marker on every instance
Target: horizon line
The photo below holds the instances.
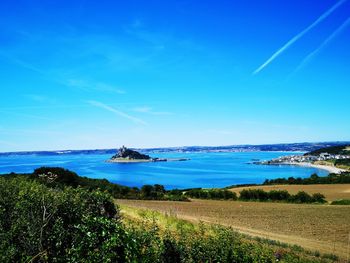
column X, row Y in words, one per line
column 174, row 147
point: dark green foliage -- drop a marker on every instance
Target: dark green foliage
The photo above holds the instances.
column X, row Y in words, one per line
column 172, row 251
column 155, row 192
column 280, row 195
column 39, row 223
column 341, row 202
column 331, row 257
column 56, row 177
column 301, row 197
column 216, row 194
column 318, row 198
column 343, row 178
column 345, row 162
column 253, row 194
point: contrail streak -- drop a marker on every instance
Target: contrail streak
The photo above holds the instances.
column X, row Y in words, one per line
column 323, row 45
column 298, row 36
column 117, row 112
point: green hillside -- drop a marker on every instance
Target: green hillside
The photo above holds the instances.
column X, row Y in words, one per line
column 342, row 149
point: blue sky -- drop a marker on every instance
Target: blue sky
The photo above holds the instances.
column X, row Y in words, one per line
column 100, row 74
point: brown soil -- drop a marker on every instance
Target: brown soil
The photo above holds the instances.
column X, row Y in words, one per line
column 324, row 228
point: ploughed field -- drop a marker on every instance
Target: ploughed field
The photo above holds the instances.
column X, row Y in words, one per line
column 324, row 228
column 330, row 191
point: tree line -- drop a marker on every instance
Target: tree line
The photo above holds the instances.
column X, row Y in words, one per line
column 56, row 177
column 280, row 195
column 343, row 178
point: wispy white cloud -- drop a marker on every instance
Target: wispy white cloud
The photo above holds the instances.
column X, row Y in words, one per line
column 24, row 64
column 116, row 111
column 25, row 115
column 149, row 110
column 310, row 56
column 43, row 99
column 59, row 75
column 93, row 86
column 298, row 36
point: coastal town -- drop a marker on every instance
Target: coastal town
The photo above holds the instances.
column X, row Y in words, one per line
column 306, row 158
column 332, row 162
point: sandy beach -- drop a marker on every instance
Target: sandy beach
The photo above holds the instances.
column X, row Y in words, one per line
column 330, row 169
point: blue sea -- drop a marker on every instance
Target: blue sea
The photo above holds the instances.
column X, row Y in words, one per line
column 202, row 170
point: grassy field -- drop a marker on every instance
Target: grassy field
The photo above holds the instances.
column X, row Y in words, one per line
column 321, row 228
column 330, row 191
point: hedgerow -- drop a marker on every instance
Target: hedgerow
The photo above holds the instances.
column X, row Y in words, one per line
column 280, row 195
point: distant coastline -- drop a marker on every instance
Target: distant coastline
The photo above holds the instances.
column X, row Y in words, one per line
column 285, row 147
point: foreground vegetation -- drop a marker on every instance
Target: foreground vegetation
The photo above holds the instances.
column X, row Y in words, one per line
column 182, row 232
column 323, row 228
column 343, row 178
column 41, row 223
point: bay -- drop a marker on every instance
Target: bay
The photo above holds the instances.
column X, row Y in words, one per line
column 202, row 170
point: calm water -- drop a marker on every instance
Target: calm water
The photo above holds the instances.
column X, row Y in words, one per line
column 203, row 170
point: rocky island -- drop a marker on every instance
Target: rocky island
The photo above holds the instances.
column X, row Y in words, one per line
column 125, row 155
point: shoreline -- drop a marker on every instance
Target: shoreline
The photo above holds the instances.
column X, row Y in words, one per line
column 330, row 169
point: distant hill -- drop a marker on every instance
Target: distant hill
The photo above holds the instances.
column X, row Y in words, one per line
column 301, row 147
column 341, row 149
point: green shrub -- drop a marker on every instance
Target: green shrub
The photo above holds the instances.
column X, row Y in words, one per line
column 214, row 194
column 280, row 195
column 40, row 223
column 301, row 197
column 341, row 202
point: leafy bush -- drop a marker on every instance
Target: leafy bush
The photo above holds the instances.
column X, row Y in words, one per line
column 341, row 202
column 280, row 195
column 253, row 194
column 41, row 224
column 216, row 194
